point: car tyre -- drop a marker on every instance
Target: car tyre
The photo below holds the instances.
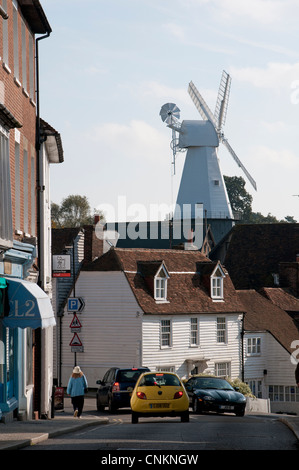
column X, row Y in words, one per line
column 196, row 407
column 134, row 417
column 185, row 417
column 111, row 407
column 99, row 406
column 240, row 413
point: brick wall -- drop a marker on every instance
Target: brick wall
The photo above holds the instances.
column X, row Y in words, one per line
column 22, row 106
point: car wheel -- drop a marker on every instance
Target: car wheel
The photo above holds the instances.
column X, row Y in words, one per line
column 111, row 407
column 196, row 407
column 185, row 417
column 134, row 417
column 240, row 413
column 99, row 406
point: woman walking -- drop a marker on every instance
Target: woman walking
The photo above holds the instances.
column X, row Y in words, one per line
column 76, row 388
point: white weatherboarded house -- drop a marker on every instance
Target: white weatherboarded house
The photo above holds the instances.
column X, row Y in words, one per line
column 271, row 338
column 166, row 309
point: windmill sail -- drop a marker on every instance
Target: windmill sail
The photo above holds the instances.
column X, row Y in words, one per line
column 200, row 104
column 222, row 99
column 239, row 163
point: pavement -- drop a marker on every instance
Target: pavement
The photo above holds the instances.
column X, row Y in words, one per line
column 19, row 434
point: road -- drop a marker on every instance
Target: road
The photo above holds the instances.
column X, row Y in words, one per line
column 203, row 432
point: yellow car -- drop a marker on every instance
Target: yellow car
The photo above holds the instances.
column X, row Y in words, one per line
column 159, row 394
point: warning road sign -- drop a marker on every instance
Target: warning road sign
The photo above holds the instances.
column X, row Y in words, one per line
column 75, row 324
column 76, row 344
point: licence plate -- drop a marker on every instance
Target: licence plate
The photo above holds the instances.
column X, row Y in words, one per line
column 226, row 407
column 159, row 405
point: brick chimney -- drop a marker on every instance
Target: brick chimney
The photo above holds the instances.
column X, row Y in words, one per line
column 93, row 244
column 289, row 276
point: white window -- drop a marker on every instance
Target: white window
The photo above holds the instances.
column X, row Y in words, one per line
column 194, row 332
column 253, row 346
column 161, row 284
column 217, row 283
column 255, row 386
column 166, row 333
column 221, row 330
column 222, row 369
column 283, row 393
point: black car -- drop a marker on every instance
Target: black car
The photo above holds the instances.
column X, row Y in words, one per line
column 214, row 394
column 116, row 387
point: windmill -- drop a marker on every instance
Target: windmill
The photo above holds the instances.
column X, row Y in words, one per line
column 202, row 181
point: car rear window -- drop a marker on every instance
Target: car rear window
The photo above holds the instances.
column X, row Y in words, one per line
column 129, row 375
column 159, row 379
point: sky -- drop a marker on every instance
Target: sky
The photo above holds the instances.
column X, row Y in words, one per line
column 109, row 66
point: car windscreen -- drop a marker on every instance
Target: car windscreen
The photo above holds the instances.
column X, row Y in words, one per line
column 159, row 379
column 128, row 375
column 210, row 383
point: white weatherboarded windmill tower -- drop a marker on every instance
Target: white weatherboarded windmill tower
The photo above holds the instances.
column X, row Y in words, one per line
column 202, row 181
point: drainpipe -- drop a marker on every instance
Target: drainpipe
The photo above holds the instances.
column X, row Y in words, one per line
column 242, row 348
column 40, row 335
column 38, row 146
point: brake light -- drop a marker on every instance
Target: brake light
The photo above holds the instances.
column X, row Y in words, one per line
column 141, row 395
column 116, row 387
column 178, row 395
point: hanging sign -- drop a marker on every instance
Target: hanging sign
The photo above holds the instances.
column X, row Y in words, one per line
column 76, row 344
column 61, row 266
column 75, row 324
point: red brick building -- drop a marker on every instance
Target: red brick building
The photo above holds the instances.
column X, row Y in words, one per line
column 25, row 326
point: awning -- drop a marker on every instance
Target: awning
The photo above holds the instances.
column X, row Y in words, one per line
column 29, row 306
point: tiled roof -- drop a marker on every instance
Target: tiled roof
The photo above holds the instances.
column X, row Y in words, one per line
column 262, row 315
column 61, row 237
column 188, row 288
column 255, row 251
column 281, row 298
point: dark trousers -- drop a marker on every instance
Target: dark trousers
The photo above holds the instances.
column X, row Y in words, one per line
column 78, row 403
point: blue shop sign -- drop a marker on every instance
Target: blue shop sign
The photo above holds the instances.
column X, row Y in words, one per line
column 29, row 306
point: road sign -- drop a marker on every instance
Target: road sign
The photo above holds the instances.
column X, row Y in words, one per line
column 76, row 344
column 75, row 304
column 75, row 324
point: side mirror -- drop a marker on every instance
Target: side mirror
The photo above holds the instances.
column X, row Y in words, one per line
column 99, row 382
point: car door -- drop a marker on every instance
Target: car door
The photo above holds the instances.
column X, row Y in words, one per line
column 104, row 387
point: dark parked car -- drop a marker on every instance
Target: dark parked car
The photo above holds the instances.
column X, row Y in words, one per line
column 116, row 387
column 214, row 394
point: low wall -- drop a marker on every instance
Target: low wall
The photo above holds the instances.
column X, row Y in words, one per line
column 257, row 405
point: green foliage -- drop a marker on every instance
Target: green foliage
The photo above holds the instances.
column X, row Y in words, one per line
column 241, row 386
column 241, row 202
column 74, row 211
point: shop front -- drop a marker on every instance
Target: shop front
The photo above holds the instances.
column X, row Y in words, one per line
column 28, row 309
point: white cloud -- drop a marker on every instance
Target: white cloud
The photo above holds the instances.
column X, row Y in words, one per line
column 273, row 160
column 275, row 75
column 134, row 141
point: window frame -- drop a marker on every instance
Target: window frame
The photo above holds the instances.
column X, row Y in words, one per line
column 217, row 284
column 255, row 348
column 221, row 332
column 194, row 332
column 160, row 284
column 166, row 335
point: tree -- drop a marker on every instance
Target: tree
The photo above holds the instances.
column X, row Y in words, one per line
column 240, row 199
column 74, row 211
column 241, row 202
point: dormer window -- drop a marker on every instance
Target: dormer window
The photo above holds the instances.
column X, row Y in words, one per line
column 217, row 283
column 160, row 284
